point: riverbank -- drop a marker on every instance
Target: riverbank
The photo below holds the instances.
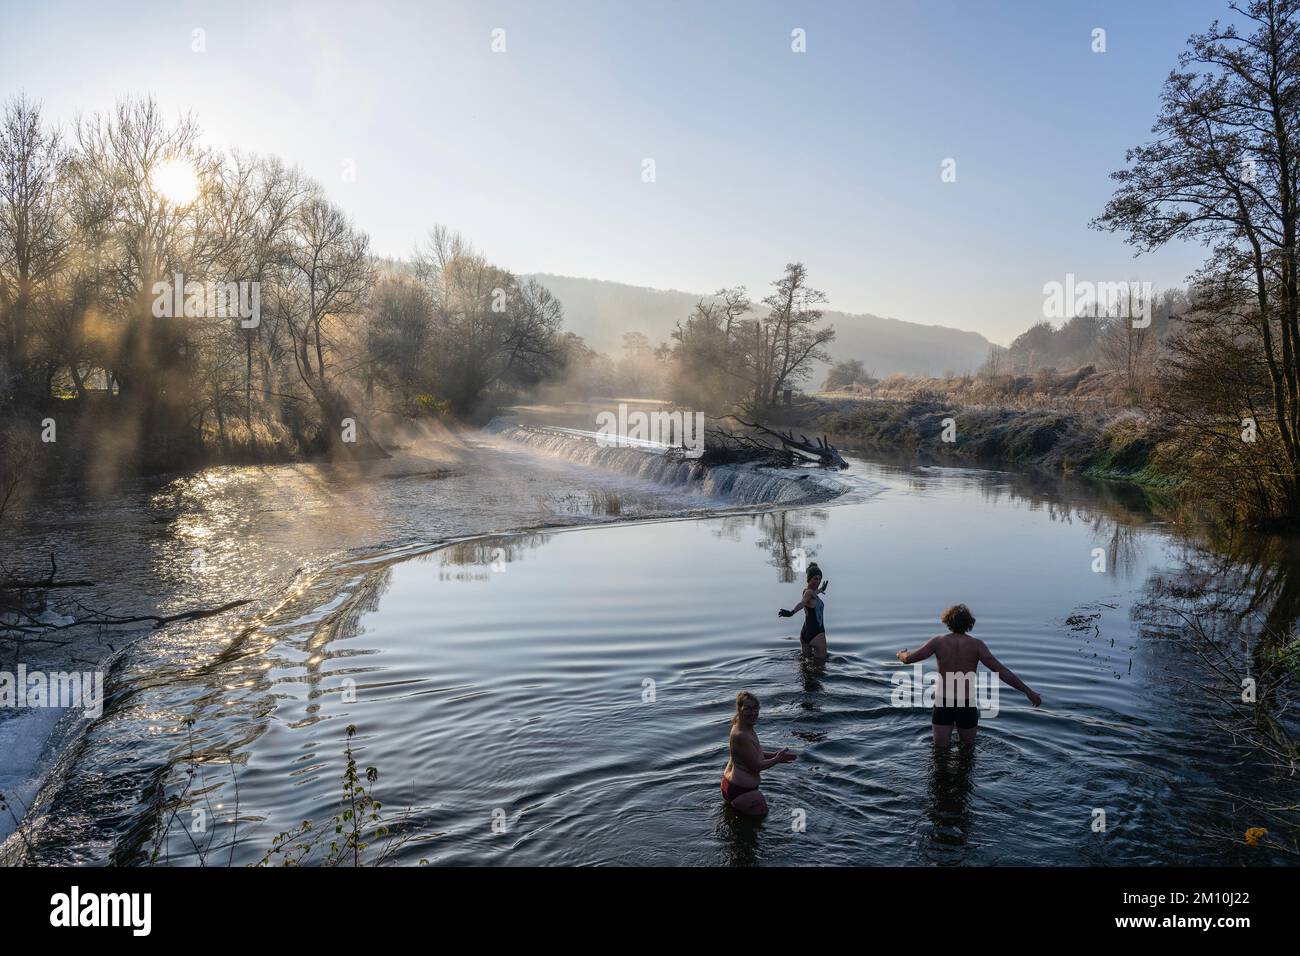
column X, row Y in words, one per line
column 1108, row 444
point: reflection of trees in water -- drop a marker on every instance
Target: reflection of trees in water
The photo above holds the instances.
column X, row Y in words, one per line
column 478, row 558
column 341, row 626
column 784, row 535
column 1066, row 499
column 1231, row 603
column 1062, row 497
column 1115, row 511
column 1241, row 590
column 1120, row 541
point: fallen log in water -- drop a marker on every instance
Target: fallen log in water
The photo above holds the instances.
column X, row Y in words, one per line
column 820, row 452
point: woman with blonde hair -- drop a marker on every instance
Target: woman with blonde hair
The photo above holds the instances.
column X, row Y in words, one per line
column 748, row 760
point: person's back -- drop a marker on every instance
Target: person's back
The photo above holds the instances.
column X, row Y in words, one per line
column 959, row 656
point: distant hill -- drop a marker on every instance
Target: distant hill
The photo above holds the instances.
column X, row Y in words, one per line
column 602, row 311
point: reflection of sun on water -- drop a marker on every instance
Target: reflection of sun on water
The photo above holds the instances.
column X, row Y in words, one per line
column 177, row 180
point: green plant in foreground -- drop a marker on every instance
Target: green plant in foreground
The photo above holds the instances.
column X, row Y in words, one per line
column 1288, row 655
column 358, row 826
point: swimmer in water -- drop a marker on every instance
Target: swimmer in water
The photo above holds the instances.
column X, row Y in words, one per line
column 959, row 655
column 748, row 760
column 813, row 636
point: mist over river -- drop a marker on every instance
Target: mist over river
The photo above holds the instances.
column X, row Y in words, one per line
column 540, row 643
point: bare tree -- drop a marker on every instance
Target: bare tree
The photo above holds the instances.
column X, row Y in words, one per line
column 793, row 340
column 707, row 369
column 1223, row 170
column 143, row 236
column 492, row 331
column 1127, row 345
column 34, row 235
column 330, row 276
column 90, row 232
column 399, row 339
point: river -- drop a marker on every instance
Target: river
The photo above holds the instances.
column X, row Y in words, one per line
column 539, row 645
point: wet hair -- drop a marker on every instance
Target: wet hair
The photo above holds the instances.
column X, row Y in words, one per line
column 743, row 698
column 958, row 618
column 813, row 572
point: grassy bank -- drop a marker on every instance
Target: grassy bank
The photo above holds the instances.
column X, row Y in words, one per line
column 1110, row 444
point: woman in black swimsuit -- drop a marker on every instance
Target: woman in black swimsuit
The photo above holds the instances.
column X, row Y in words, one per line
column 813, row 636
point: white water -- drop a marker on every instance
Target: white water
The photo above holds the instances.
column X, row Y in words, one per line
column 743, row 484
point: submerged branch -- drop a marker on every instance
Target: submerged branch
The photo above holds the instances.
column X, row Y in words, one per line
column 820, row 451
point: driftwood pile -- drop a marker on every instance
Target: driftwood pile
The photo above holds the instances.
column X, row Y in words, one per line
column 763, row 446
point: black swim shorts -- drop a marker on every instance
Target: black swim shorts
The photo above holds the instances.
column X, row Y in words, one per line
column 964, row 717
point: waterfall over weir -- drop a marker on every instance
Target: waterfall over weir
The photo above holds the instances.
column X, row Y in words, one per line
column 744, row 484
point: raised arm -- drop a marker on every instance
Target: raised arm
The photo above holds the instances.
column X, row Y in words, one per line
column 1004, row 672
column 920, row 654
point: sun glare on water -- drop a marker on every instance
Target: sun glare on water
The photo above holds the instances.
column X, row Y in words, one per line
column 178, row 181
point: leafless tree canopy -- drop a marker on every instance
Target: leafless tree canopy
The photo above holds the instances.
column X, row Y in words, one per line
column 88, row 228
column 1223, row 170
column 728, row 357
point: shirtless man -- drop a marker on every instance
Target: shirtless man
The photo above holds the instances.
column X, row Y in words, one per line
column 959, row 655
column 748, row 760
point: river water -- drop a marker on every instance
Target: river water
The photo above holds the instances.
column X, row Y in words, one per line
column 561, row 695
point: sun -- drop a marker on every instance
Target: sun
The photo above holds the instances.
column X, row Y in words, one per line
column 177, row 180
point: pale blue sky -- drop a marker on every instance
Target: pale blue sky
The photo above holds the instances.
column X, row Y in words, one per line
column 762, row 155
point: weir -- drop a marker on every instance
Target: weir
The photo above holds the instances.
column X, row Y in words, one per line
column 744, row 483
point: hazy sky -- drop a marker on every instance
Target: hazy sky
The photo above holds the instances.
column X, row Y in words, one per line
column 762, row 155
